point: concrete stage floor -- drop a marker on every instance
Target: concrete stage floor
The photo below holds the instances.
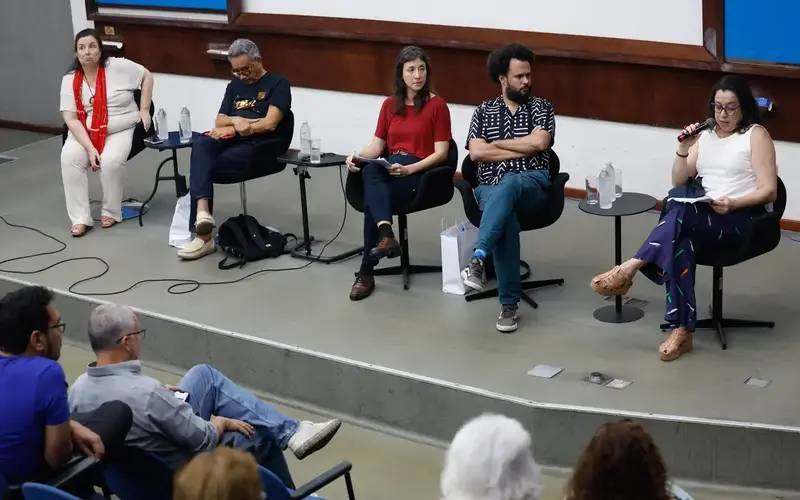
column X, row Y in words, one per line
column 423, row 331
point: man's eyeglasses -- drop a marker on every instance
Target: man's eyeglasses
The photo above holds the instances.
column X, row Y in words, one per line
column 728, row 108
column 244, row 71
column 138, row 332
column 61, row 326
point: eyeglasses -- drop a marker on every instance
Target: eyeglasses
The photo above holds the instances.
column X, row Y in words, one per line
column 728, row 108
column 138, row 332
column 61, row 326
column 244, row 71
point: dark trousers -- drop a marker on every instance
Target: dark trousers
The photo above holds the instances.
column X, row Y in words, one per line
column 382, row 194
column 670, row 252
column 228, row 161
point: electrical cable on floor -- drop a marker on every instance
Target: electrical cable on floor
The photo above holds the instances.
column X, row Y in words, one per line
column 177, row 283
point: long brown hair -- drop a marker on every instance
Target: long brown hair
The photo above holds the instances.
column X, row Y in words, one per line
column 410, row 53
column 621, row 462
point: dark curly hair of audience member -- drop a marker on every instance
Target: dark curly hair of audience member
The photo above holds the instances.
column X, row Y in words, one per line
column 22, row 312
column 621, row 462
column 499, row 60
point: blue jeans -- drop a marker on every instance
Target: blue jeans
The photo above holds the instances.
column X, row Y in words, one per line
column 517, row 192
column 212, row 393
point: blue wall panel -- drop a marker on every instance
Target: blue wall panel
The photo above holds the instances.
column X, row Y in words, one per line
column 762, row 31
column 171, row 4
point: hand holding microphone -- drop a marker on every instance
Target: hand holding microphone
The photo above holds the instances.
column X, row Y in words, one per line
column 691, row 132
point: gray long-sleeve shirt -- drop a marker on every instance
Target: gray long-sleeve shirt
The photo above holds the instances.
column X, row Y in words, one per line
column 162, row 423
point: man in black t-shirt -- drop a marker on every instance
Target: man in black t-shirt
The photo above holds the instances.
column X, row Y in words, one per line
column 253, row 113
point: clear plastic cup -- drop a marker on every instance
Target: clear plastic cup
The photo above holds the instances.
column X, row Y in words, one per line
column 592, row 190
column 316, row 150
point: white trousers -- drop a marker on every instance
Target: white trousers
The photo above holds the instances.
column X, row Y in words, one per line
column 75, row 174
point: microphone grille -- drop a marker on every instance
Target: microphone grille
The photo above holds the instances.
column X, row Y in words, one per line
column 710, row 122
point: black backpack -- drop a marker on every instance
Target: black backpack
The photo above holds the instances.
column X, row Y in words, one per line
column 244, row 239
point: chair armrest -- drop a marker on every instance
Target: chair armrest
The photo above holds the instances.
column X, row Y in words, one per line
column 73, row 469
column 435, row 188
column 269, row 147
column 322, row 480
column 471, row 208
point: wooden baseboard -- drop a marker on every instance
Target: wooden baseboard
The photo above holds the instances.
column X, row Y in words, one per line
column 786, row 224
column 30, row 127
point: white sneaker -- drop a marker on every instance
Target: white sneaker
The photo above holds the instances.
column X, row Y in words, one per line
column 204, row 223
column 310, row 437
column 197, row 248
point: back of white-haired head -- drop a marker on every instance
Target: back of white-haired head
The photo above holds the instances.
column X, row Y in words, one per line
column 107, row 323
column 243, row 46
column 490, row 458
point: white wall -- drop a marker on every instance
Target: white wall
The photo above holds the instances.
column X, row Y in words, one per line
column 675, row 21
column 345, row 122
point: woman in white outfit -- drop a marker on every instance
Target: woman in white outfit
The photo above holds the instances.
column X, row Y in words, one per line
column 99, row 109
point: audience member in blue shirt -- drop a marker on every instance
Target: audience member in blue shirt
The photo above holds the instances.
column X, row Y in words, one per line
column 36, row 433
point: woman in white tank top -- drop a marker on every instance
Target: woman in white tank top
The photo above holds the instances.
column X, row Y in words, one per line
column 735, row 163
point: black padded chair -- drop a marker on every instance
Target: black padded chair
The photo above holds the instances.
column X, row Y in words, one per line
column 435, row 189
column 763, row 236
column 139, row 133
column 262, row 163
column 528, row 222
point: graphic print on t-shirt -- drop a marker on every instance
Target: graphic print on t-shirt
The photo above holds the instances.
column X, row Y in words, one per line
column 240, row 104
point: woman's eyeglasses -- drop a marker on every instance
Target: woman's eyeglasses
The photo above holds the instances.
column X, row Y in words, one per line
column 728, row 108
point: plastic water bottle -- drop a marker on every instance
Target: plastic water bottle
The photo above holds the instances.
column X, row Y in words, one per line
column 185, row 125
column 606, row 186
column 616, row 174
column 162, row 129
column 305, row 141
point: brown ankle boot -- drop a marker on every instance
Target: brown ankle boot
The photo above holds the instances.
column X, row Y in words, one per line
column 386, row 247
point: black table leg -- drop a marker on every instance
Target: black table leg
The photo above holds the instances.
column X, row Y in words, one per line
column 618, row 313
column 303, row 248
column 180, row 182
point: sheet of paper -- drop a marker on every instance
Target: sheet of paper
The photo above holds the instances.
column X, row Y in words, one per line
column 545, row 371
column 702, row 199
column 382, row 161
column 757, row 382
column 618, row 383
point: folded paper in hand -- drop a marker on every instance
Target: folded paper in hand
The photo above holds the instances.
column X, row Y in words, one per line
column 702, row 199
column 382, row 161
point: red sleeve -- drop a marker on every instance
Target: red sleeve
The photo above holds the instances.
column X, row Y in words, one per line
column 441, row 122
column 382, row 129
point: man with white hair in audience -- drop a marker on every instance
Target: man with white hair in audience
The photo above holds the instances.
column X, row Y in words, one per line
column 205, row 410
column 490, row 458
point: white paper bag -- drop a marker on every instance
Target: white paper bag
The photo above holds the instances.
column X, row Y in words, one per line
column 458, row 242
column 179, row 235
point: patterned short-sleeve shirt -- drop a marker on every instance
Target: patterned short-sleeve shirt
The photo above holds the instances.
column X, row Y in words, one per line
column 493, row 121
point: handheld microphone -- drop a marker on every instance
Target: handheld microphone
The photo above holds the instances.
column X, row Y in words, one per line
column 710, row 122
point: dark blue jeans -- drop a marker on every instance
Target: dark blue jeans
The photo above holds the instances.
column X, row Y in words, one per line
column 382, row 193
column 499, row 232
column 213, row 158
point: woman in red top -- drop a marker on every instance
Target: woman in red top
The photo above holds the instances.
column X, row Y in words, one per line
column 414, row 130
